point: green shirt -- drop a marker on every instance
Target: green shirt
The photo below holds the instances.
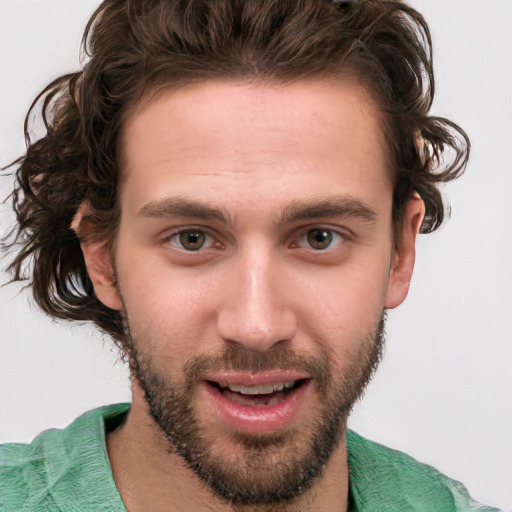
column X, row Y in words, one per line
column 68, row 471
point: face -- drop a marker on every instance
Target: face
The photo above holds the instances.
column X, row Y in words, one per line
column 253, row 262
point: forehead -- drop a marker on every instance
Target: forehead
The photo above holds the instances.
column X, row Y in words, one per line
column 214, row 137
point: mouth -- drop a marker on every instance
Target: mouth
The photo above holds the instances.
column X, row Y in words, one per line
column 257, row 404
column 263, row 395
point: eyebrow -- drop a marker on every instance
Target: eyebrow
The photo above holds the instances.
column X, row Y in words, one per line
column 181, row 207
column 331, row 206
column 315, row 208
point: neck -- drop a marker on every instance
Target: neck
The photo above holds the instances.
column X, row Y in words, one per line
column 149, row 476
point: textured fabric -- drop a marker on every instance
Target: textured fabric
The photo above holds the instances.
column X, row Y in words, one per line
column 68, row 471
column 62, row 470
column 382, row 479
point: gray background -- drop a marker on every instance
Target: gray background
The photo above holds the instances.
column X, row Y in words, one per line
column 444, row 391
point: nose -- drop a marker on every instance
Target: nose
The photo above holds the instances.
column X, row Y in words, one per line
column 256, row 311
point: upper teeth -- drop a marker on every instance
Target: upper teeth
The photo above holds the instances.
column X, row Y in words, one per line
column 263, row 389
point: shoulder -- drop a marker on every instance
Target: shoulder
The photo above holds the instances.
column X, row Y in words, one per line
column 58, row 469
column 385, row 479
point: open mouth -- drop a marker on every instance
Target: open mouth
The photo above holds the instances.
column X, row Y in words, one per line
column 263, row 395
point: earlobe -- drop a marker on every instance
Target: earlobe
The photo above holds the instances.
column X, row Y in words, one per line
column 97, row 260
column 98, row 263
column 403, row 261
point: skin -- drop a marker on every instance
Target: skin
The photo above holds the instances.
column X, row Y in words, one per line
column 260, row 155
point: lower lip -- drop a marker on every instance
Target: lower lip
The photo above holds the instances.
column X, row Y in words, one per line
column 257, row 419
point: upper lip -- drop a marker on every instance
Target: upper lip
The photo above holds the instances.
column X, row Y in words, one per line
column 228, row 377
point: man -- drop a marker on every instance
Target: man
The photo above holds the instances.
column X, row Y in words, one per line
column 232, row 191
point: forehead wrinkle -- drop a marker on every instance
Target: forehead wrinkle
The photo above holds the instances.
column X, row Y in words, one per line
column 184, row 207
column 331, row 206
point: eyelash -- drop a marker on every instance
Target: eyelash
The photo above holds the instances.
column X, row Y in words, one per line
column 175, row 235
column 336, row 237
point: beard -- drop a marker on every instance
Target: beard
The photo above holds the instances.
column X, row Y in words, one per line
column 257, row 469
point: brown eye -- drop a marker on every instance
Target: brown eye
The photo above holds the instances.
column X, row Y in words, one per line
column 319, row 238
column 192, row 240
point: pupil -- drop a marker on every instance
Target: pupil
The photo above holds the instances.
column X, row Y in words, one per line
column 192, row 240
column 319, row 238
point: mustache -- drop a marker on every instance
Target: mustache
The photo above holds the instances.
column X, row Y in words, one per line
column 239, row 358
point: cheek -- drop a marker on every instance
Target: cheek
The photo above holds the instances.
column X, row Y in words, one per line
column 167, row 310
column 345, row 306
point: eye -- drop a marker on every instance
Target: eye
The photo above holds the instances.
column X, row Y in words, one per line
column 320, row 239
column 191, row 240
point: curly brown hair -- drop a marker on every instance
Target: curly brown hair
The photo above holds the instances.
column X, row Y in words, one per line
column 133, row 48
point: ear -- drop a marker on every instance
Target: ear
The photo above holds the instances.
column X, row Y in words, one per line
column 405, row 253
column 98, row 262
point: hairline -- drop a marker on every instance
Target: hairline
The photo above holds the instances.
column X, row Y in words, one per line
column 151, row 92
